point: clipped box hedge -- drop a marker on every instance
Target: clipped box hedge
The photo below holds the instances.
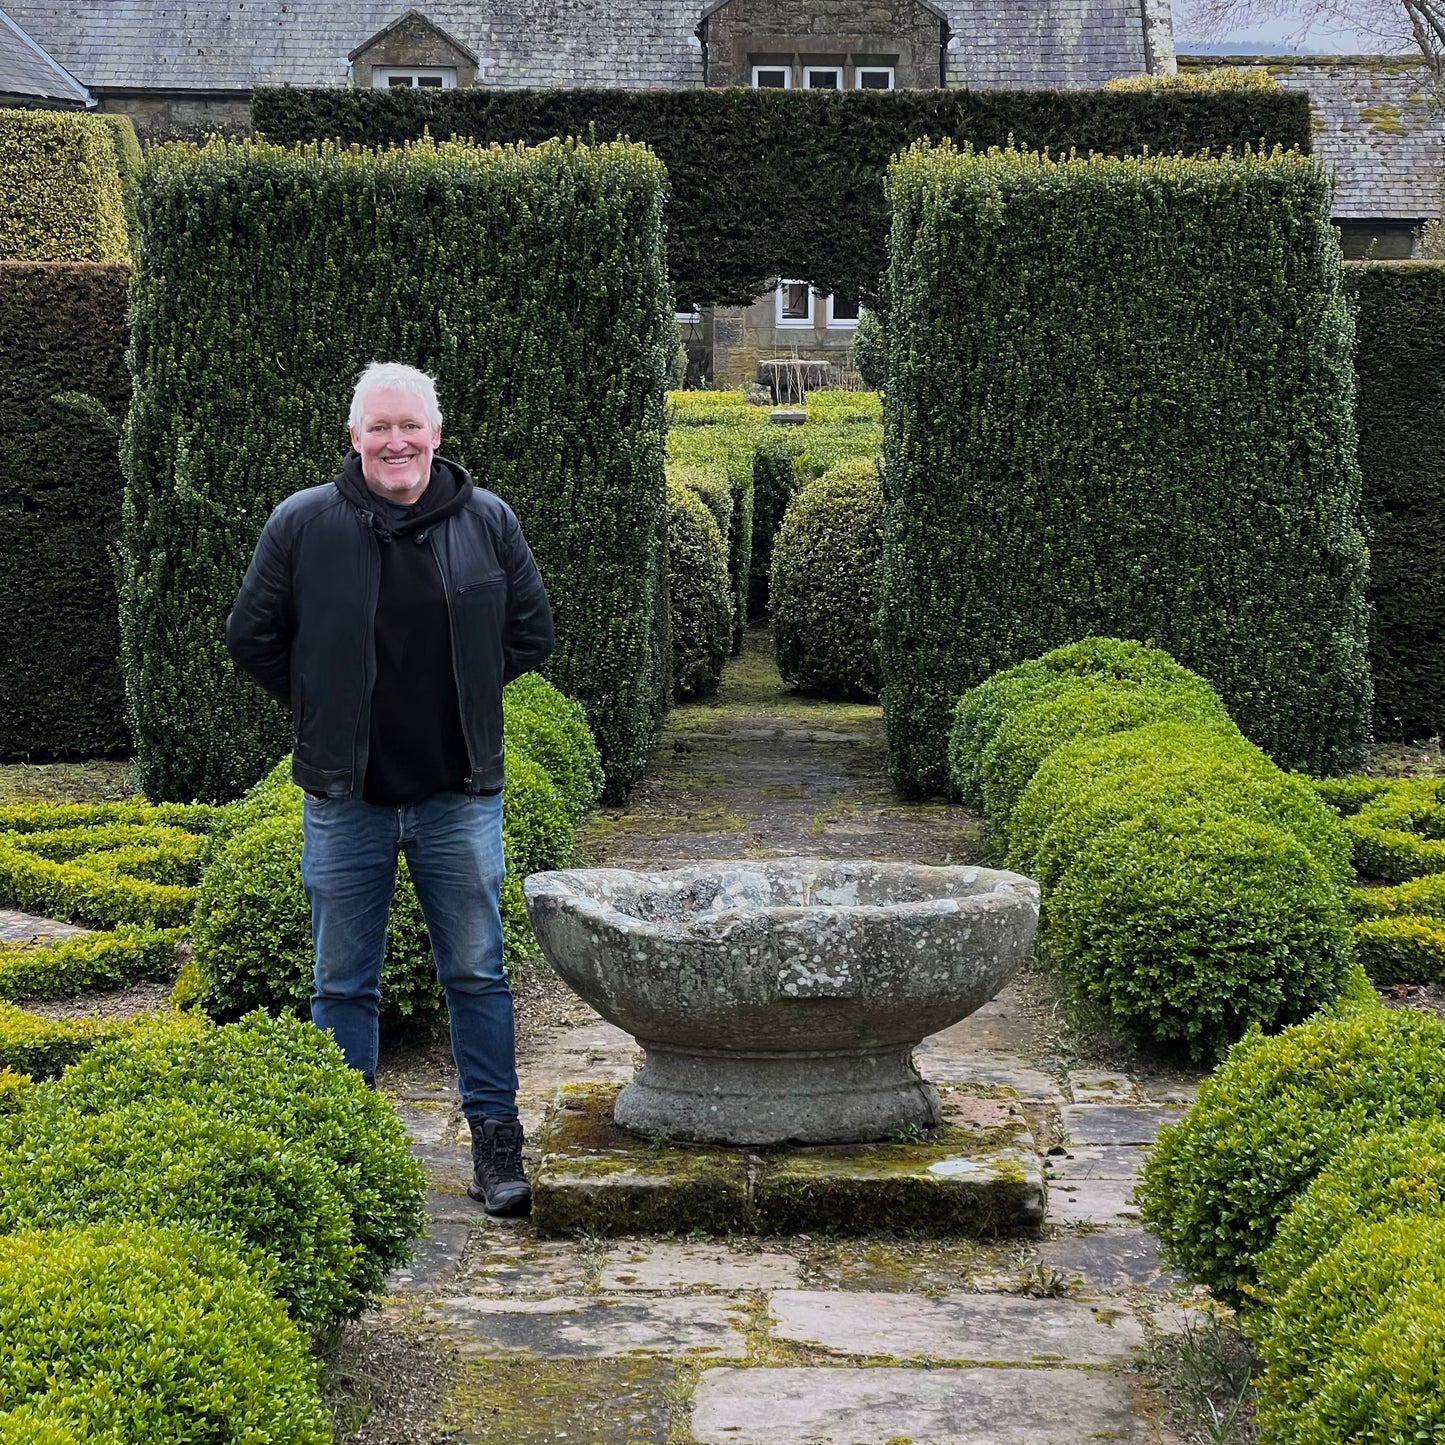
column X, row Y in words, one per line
column 529, row 282
column 1119, row 401
column 1400, row 415
column 699, row 597
column 62, row 369
column 62, row 198
column 782, row 182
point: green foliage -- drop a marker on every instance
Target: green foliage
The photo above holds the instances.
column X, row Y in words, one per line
column 1400, row 833
column 834, row 407
column 1216, row 78
column 1400, row 371
column 161, row 1162
column 129, row 163
column 870, row 350
column 824, row 586
column 60, row 497
column 550, row 729
column 699, row 598
column 1376, row 1176
column 287, row 1079
column 269, row 278
column 705, row 408
column 39, row 1047
column 774, row 485
column 780, row 182
column 1402, row 950
column 16, row 1091
column 1186, row 927
column 1269, row 1119
column 1349, row 795
column 143, row 1336
column 69, row 966
column 1050, row 477
column 1354, row 1353
column 62, row 195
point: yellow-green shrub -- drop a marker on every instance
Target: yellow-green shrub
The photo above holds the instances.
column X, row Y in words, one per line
column 69, row 966
column 61, row 199
column 41, row 1047
column 699, row 597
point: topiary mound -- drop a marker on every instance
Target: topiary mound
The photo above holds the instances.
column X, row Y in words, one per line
column 1375, row 1177
column 825, row 584
column 699, row 598
column 163, row 1162
column 141, row 1336
column 1274, row 1114
column 1354, row 1352
column 550, row 729
column 287, row 1079
column 1186, row 927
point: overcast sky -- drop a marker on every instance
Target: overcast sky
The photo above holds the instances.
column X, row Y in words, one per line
column 1277, row 36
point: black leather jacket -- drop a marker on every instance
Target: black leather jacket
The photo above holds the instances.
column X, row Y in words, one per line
column 303, row 624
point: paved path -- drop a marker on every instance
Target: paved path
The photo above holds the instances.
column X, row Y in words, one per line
column 799, row 1341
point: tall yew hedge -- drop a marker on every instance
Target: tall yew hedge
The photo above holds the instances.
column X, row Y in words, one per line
column 778, row 181
column 1119, row 403
column 1400, row 413
column 531, row 284
column 63, row 390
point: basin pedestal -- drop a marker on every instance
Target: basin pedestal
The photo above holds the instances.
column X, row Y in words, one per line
column 736, row 1096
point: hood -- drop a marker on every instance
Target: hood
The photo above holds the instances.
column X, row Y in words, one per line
column 446, row 493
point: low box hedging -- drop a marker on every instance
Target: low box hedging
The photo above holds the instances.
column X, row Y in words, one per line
column 1051, row 478
column 62, row 199
column 69, row 966
column 1400, row 833
column 41, row 1047
column 1354, row 1353
column 251, row 929
column 1191, row 889
column 824, row 593
column 144, row 1336
column 269, row 278
column 1399, row 380
column 699, row 594
column 286, row 1079
column 1269, row 1119
column 62, row 368
column 781, row 182
column 162, row 1162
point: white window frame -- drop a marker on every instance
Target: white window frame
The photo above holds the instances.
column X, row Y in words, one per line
column 787, row 71
column 888, row 70
column 809, row 71
column 685, row 318
column 841, row 323
column 382, row 76
column 795, row 322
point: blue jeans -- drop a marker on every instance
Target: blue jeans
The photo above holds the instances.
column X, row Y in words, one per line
column 453, row 849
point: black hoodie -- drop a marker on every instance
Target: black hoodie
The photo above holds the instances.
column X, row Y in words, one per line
column 417, row 745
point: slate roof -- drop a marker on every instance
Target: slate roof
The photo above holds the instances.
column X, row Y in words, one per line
column 26, row 70
column 1374, row 129
column 1065, row 44
column 237, row 44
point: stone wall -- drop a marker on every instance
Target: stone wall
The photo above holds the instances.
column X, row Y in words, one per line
column 742, row 336
column 901, row 33
column 158, row 115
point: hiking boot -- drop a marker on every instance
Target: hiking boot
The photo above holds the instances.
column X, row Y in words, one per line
column 498, row 1179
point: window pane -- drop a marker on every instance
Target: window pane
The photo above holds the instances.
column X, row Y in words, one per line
column 392, row 80
column 875, row 80
column 435, row 81
column 795, row 300
column 771, row 79
column 845, row 308
column 824, row 79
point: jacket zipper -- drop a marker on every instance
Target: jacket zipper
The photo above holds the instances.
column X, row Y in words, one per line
column 452, row 638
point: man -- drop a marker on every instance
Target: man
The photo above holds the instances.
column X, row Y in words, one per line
column 387, row 609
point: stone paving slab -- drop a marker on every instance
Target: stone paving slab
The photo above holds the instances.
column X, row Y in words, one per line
column 512, row 1262
column 591, row 1328
column 434, row 1258
column 662, row 1265
column 1115, row 1123
column 1097, row 1161
column 992, row 1329
column 828, row 1406
column 1091, row 1201
column 1098, row 1086
column 1032, row 1085
column 1114, row 1260
column 18, row 927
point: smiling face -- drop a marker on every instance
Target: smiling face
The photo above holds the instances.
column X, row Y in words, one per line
column 396, row 444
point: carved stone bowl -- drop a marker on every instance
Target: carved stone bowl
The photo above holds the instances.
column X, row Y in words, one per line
column 780, row 1001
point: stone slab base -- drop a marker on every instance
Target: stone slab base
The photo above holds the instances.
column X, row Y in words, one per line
column 977, row 1175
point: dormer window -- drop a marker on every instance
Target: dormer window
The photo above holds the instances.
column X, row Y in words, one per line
column 389, row 77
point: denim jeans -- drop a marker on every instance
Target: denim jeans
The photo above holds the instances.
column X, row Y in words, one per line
column 453, row 849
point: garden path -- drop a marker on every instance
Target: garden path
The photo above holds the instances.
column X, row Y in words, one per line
column 793, row 1341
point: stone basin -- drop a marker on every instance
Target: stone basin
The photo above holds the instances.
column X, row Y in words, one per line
column 780, row 1001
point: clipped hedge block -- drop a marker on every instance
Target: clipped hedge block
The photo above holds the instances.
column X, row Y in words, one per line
column 40, row 1048
column 141, row 1336
column 699, row 597
column 70, row 966
column 1048, row 478
column 62, row 368
column 269, row 279
column 62, row 199
column 1269, row 1119
column 825, row 585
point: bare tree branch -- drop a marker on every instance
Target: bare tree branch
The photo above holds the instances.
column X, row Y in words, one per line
column 1396, row 26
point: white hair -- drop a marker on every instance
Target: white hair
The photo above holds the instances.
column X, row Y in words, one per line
column 396, row 376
